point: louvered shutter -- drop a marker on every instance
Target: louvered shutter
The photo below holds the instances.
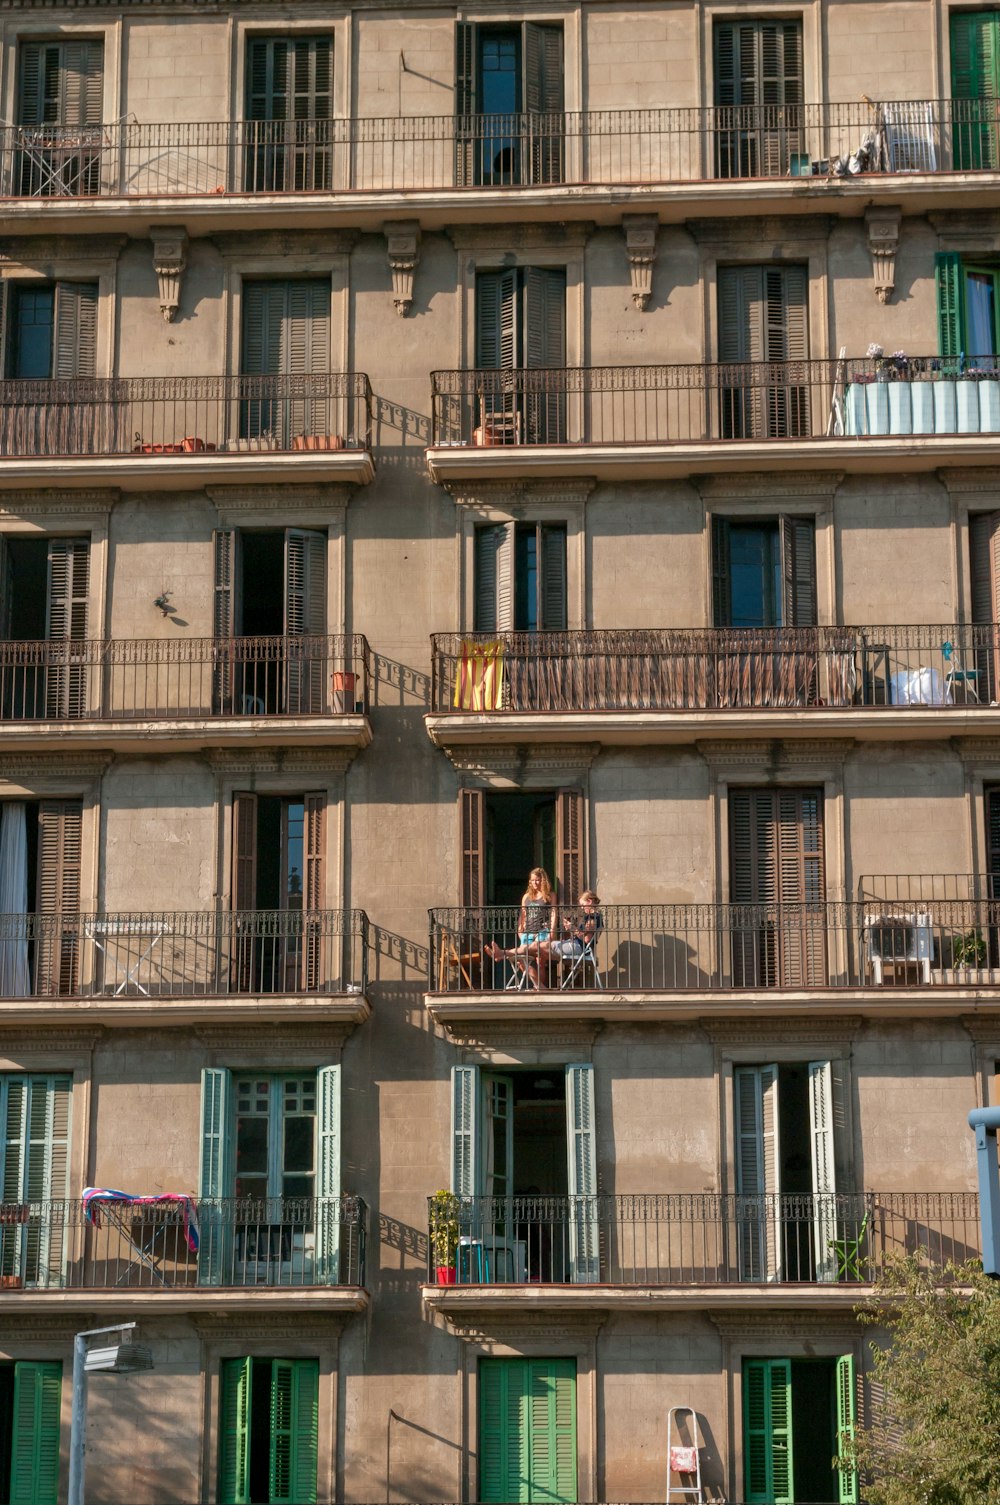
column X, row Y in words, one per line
column 824, row 1171
column 992, row 800
column 263, row 324
column 57, row 902
column 570, row 834
column 847, row 1417
column 216, row 1178
column 61, row 83
column 767, row 1431
column 307, row 353
column 545, row 349
column 68, row 597
column 741, row 340
column 551, row 1401
column 227, row 681
column 798, row 571
column 722, row 591
column 465, row 1149
column 497, row 324
column 244, row 885
column 581, row 1146
column 294, row 1431
column 544, row 71
column 305, row 617
column 984, row 573
column 753, row 887
column 328, row 1111
column 467, row 127
column 949, row 282
column 289, row 96
column 315, row 976
column 802, row 888
column 504, row 1462
column 234, row 1431
column 473, row 838
column 34, row 1468
column 758, row 1172
column 975, row 77
column 786, row 339
column 6, row 578
column 552, row 577
column 75, row 337
column 757, row 64
column 35, row 1114
column 488, row 542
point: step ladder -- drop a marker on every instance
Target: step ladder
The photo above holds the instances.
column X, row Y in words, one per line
column 684, row 1455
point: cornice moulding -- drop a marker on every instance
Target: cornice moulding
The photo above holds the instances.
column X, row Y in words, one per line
column 317, row 247
column 50, row 501
column 331, row 760
column 520, row 236
column 764, row 485
column 29, row 250
column 333, row 497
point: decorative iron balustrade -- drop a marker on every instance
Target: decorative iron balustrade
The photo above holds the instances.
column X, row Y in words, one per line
column 525, row 149
column 185, row 415
column 716, row 669
column 239, row 1241
column 860, row 397
column 702, row 1238
column 184, row 954
column 715, row 948
column 179, row 679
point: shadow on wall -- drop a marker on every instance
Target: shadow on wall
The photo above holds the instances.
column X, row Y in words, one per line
column 412, row 427
column 409, row 961
column 399, row 684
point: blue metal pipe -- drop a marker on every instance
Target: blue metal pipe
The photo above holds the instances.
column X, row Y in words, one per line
column 985, row 1122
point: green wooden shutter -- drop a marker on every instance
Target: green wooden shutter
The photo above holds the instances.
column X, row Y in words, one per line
column 846, row 1424
column 294, row 1431
column 949, row 281
column 75, row 338
column 35, row 1115
column 307, row 332
column 798, row 571
column 504, row 1461
column 581, row 1147
column 767, row 1431
column 465, row 1151
column 824, row 1168
column 234, row 1432
column 552, row 1429
column 328, row 1100
column 552, row 577
column 217, row 1174
column 34, row 1470
column 975, row 77
column 722, row 596
column 472, row 829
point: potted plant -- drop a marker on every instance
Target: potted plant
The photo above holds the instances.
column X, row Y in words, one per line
column 968, row 951
column 444, row 1235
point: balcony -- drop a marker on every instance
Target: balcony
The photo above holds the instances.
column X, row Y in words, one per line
column 770, row 157
column 693, row 1248
column 884, row 955
column 247, row 1251
column 654, row 422
column 174, row 967
column 644, row 686
column 123, row 693
column 144, row 433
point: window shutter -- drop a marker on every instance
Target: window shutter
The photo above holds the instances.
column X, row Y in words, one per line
column 75, row 338
column 328, row 1105
column 758, row 1171
column 488, row 542
column 722, row 595
column 294, row 1431
column 82, row 66
column 543, row 68
column 498, row 345
column 948, row 279
column 244, row 883
column 307, row 341
column 847, row 1418
column 68, row 589
column 992, row 794
column 305, row 616
column 14, row 1099
column 31, row 75
column 726, row 48
column 234, row 1432
column 581, row 1145
column 767, row 1431
column 504, row 1469
column 570, row 827
column 224, row 608
column 552, row 577
column 60, row 832
column 465, row 1167
column 552, row 1429
column 315, row 970
column 786, row 301
column 473, row 829
column 798, row 571
column 824, row 1167
column 263, row 315
column 217, row 1174
column 47, row 1172
column 780, row 1413
column 259, row 93
column 312, row 73
column 753, row 877
column 34, row 1469
column 984, row 574
column 466, row 102
column 741, row 314
column 974, row 55
column 545, row 318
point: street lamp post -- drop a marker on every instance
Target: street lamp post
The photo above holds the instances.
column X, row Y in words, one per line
column 121, row 1356
column 985, row 1122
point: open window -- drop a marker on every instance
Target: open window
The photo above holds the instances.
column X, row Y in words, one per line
column 289, row 110
column 968, row 308
column 268, row 1431
column 279, row 892
column 505, row 835
column 509, row 101
column 40, row 870
column 34, row 1172
column 30, row 1405
column 797, row 1414
column 520, row 577
column 60, row 102
column 44, row 600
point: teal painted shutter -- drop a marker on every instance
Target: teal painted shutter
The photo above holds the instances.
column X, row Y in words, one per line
column 465, row 1169
column 217, row 1173
column 263, row 321
column 35, row 1114
column 767, row 1431
column 722, row 606
column 234, row 1432
column 294, row 1431
column 328, row 1099
column 34, row 1470
column 824, row 1172
column 544, row 348
column 847, row 1417
column 504, row 1464
column 584, row 1244
column 552, row 1429
column 488, row 541
column 951, row 315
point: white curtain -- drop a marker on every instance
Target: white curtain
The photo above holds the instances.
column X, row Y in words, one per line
column 14, row 977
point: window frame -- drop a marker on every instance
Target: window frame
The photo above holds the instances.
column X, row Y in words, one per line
column 570, row 514
column 44, row 31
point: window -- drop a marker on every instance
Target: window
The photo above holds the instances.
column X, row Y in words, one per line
column 520, row 577
column 527, row 1430
column 505, row 835
column 269, row 1431
column 60, row 102
column 968, row 299
column 52, row 330
column 30, row 1404
column 286, row 333
column 40, row 856
column 984, row 575
column 763, row 317
column 521, row 327
column 758, row 64
column 289, row 107
column 777, row 882
column 975, row 87
column 35, row 1115
column 509, row 100
column 272, row 1143
column 279, row 891
column 764, row 572
column 44, row 597
column 527, row 1134
column 796, row 1414
column 271, row 587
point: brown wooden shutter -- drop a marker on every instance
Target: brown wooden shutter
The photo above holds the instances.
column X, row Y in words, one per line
column 984, row 572
column 777, row 868
column 244, row 882
column 570, row 833
column 57, row 900
column 552, row 577
column 74, row 352
column 721, row 577
column 305, row 616
column 472, row 817
column 798, row 571
column 314, row 895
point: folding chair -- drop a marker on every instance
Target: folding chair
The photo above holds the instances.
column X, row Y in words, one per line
column 957, row 675
column 579, row 964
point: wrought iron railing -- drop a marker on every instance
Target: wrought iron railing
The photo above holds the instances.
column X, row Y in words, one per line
column 175, row 679
column 854, row 398
column 185, row 415
column 715, row 948
column 698, row 1238
column 716, row 669
column 230, row 1241
column 518, row 150
column 184, row 954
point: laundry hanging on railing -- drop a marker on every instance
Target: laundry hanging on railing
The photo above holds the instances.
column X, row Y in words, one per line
column 94, row 1196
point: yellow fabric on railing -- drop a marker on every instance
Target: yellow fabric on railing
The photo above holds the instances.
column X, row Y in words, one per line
column 479, row 681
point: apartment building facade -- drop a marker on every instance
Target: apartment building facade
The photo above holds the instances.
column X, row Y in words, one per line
column 438, row 441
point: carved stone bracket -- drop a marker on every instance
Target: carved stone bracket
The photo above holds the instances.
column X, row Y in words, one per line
column 640, row 248
column 403, row 239
column 169, row 260
column 882, row 224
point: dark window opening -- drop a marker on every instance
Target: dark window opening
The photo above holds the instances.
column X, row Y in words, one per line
column 32, row 330
column 261, row 589
column 280, row 824
column 260, row 1432
column 27, row 589
column 755, row 575
column 500, row 71
column 814, row 1429
column 520, row 835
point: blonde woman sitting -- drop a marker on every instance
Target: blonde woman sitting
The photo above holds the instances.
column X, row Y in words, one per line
column 534, row 927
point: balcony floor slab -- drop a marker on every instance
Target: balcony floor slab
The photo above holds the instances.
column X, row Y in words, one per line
column 186, row 734
column 196, row 1300
column 458, row 1303
column 186, row 472
column 131, row 1012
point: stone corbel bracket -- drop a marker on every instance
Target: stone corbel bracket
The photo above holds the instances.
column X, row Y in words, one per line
column 169, row 260
column 882, row 225
column 640, row 248
column 403, row 238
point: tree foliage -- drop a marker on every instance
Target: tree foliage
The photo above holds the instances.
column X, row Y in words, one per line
column 933, row 1433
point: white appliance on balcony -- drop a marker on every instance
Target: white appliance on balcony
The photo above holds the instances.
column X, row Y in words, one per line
column 902, row 940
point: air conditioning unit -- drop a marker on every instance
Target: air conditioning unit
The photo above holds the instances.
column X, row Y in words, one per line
column 894, row 940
